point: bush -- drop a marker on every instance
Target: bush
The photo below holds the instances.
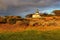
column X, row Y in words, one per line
column 12, row 21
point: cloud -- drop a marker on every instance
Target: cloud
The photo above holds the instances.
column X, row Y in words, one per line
column 18, row 7
column 32, row 3
column 28, row 2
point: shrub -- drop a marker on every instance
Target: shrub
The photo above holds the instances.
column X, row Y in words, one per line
column 12, row 21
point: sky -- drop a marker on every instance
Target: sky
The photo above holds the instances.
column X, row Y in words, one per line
column 24, row 7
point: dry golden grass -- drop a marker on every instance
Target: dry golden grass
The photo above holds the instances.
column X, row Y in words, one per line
column 13, row 28
column 16, row 27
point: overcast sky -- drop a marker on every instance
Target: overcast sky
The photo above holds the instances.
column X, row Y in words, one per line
column 23, row 7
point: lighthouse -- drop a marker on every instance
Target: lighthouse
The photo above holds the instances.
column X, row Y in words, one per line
column 36, row 14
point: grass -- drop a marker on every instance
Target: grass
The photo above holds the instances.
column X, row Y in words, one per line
column 31, row 35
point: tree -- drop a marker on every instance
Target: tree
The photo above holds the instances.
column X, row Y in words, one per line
column 17, row 17
column 44, row 14
column 29, row 16
column 57, row 12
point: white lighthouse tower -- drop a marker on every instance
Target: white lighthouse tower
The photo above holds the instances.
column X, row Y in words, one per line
column 36, row 14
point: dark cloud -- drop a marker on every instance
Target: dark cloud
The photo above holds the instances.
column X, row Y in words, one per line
column 19, row 7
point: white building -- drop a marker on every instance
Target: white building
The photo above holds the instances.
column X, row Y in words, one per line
column 36, row 14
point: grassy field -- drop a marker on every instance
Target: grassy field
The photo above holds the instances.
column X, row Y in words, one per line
column 31, row 35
